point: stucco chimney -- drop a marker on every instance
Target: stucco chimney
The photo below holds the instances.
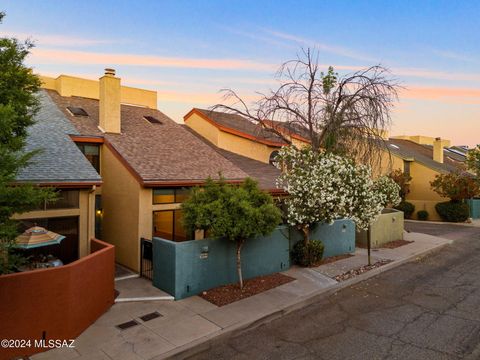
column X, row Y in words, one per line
column 438, row 150
column 110, row 102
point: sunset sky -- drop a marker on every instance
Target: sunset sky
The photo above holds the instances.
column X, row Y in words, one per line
column 189, row 50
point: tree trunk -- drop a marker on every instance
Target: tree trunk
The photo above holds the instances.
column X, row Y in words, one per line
column 306, row 233
column 239, row 262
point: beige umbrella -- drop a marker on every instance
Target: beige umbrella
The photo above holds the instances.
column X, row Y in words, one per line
column 38, row 236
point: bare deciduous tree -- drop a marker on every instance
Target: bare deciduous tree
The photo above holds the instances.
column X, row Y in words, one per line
column 344, row 115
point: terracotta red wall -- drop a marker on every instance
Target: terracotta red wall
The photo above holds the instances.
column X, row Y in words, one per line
column 61, row 301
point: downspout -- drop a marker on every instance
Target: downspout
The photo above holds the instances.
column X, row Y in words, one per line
column 89, row 217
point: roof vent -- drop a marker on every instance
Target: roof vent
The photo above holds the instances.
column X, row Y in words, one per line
column 152, row 120
column 77, row 111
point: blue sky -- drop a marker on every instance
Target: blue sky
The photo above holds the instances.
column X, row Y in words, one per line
column 189, row 50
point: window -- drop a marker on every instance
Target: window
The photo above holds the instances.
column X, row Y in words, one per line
column 167, row 224
column 406, row 167
column 66, row 199
column 273, row 157
column 77, row 111
column 92, row 153
column 170, row 195
column 153, row 120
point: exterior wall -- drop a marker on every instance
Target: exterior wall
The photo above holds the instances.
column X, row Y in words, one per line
column 337, row 238
column 59, row 303
column 421, row 194
column 120, row 202
column 388, row 163
column 86, row 221
column 474, row 205
column 388, row 227
column 245, row 147
column 186, row 268
column 73, row 86
column 203, row 127
column 230, row 142
column 422, row 140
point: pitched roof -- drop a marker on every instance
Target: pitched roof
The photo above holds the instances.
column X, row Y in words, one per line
column 238, row 125
column 424, row 154
column 156, row 153
column 265, row 174
column 59, row 160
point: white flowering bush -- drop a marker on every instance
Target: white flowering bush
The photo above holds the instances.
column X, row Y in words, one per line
column 326, row 187
column 388, row 190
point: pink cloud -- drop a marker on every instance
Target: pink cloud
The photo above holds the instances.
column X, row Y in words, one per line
column 445, row 94
column 53, row 56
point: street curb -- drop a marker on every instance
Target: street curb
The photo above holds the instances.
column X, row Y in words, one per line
column 206, row 342
column 441, row 222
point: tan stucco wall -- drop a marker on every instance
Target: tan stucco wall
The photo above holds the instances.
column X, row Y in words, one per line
column 421, row 194
column 422, row 140
column 120, row 202
column 230, row 142
column 203, row 128
column 67, row 85
column 388, row 227
column 388, row 163
column 86, row 221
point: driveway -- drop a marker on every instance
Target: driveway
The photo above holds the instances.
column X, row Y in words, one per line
column 426, row 309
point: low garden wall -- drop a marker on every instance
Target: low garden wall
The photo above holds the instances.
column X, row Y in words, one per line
column 56, row 303
column 338, row 238
column 187, row 268
column 388, row 227
column 474, row 205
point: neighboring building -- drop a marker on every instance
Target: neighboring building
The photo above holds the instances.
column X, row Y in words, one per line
column 423, row 158
column 146, row 160
column 235, row 133
column 60, row 164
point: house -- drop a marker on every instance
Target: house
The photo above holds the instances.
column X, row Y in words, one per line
column 236, row 134
column 147, row 161
column 421, row 157
column 60, row 164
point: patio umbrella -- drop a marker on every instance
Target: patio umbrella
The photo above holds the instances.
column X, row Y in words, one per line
column 38, row 236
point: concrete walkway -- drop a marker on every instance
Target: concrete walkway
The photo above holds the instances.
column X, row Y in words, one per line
column 180, row 328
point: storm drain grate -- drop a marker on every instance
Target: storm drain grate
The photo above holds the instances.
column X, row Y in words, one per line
column 127, row 325
column 151, row 316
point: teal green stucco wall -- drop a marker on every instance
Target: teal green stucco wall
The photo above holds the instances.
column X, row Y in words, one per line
column 187, row 268
column 337, row 238
column 474, row 205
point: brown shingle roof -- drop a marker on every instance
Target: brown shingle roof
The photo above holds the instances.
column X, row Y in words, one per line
column 242, row 126
column 265, row 174
column 424, row 155
column 156, row 152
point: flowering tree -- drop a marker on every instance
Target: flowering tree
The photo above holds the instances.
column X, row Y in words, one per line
column 325, row 187
column 388, row 190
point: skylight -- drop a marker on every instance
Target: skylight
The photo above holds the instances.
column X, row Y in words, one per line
column 77, row 111
column 152, row 120
column 395, row 146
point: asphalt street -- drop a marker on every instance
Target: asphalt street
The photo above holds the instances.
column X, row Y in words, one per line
column 425, row 309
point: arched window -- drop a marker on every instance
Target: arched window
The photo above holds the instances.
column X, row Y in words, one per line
column 273, row 157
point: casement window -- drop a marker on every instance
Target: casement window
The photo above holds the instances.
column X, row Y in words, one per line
column 170, row 195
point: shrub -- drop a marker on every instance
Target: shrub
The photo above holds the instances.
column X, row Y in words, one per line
column 407, row 208
column 307, row 253
column 456, row 186
column 453, row 211
column 422, row 215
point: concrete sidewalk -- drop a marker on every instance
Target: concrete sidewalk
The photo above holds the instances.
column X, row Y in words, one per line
column 183, row 327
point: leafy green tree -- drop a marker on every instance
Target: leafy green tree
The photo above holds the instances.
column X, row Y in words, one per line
column 236, row 213
column 473, row 161
column 456, row 186
column 18, row 105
